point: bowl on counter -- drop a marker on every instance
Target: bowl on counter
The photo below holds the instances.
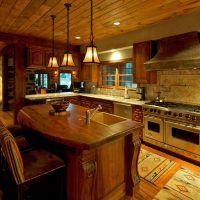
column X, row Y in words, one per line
column 60, row 106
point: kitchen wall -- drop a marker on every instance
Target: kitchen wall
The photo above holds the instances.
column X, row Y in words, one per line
column 166, row 28
column 118, row 92
column 176, row 86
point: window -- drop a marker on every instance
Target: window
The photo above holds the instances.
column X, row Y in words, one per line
column 65, row 79
column 108, row 75
column 117, row 75
column 41, row 79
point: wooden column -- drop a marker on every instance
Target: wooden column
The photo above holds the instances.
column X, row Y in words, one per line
column 5, row 80
column 132, row 149
column 20, row 74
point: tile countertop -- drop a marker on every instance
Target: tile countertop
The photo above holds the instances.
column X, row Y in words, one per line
column 117, row 99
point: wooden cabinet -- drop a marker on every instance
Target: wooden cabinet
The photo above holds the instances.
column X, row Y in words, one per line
column 36, row 56
column 142, row 52
column 88, row 102
column 39, row 56
column 34, row 102
column 73, row 99
column 89, row 72
column 138, row 116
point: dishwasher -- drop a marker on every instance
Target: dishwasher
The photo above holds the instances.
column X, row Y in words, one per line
column 123, row 110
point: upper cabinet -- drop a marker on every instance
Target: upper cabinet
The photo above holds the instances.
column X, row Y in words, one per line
column 35, row 56
column 89, row 72
column 39, row 56
column 142, row 52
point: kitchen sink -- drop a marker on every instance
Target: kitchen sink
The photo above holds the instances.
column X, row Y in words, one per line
column 107, row 119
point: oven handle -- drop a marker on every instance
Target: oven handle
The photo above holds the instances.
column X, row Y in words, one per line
column 153, row 118
column 183, row 125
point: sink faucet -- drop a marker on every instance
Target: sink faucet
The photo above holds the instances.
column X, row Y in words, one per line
column 91, row 113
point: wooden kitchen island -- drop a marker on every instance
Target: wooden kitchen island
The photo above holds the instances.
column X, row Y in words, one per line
column 101, row 158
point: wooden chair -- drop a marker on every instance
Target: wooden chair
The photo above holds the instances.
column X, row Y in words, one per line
column 32, row 167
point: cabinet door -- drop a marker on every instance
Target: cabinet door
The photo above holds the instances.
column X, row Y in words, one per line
column 141, row 53
column 89, row 72
column 88, row 102
column 74, row 100
column 36, row 56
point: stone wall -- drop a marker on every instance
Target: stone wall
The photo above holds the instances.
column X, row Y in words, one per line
column 30, row 82
column 176, row 86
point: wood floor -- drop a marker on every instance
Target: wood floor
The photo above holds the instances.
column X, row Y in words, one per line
column 144, row 190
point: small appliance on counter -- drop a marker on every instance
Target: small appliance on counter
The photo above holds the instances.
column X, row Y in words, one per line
column 141, row 93
column 78, row 86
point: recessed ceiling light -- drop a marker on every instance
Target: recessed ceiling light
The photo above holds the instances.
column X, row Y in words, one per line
column 116, row 23
column 77, row 37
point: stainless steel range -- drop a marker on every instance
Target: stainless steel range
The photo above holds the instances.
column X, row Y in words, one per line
column 173, row 126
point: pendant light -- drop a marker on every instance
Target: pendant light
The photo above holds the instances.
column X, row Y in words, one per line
column 53, row 63
column 91, row 52
column 67, row 59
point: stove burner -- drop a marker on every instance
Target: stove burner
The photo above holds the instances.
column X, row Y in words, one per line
column 197, row 109
column 163, row 104
column 180, row 106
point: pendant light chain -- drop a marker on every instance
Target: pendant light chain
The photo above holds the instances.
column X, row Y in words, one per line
column 53, row 60
column 68, row 6
column 53, row 17
column 91, row 55
column 67, row 58
column 91, row 23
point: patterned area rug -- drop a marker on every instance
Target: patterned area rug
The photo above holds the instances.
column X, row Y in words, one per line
column 184, row 185
column 152, row 166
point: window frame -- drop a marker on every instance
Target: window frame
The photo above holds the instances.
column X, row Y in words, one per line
column 39, row 79
column 63, row 72
column 117, row 75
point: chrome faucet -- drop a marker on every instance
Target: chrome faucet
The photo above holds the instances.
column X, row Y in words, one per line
column 91, row 113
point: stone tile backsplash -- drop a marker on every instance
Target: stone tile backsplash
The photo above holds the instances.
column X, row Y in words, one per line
column 116, row 92
column 176, row 86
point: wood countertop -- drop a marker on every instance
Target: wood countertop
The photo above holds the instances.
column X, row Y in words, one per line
column 71, row 129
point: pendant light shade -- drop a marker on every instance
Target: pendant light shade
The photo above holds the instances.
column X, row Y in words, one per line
column 67, row 59
column 91, row 55
column 53, row 63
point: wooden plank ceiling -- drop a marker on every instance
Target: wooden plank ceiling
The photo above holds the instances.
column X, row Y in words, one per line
column 32, row 17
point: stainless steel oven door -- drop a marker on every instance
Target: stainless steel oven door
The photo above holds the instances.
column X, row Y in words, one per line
column 182, row 135
column 153, row 128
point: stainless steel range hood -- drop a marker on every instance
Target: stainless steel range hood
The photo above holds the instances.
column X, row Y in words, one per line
column 176, row 52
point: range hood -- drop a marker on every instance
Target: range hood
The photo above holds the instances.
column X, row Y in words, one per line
column 176, row 52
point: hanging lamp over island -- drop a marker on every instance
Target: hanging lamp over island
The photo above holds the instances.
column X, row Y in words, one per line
column 91, row 55
column 68, row 58
column 53, row 63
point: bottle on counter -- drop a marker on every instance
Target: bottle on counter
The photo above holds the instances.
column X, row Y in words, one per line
column 126, row 96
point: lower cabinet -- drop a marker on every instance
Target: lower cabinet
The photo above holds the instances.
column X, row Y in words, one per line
column 74, row 100
column 138, row 116
column 88, row 102
column 34, row 101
